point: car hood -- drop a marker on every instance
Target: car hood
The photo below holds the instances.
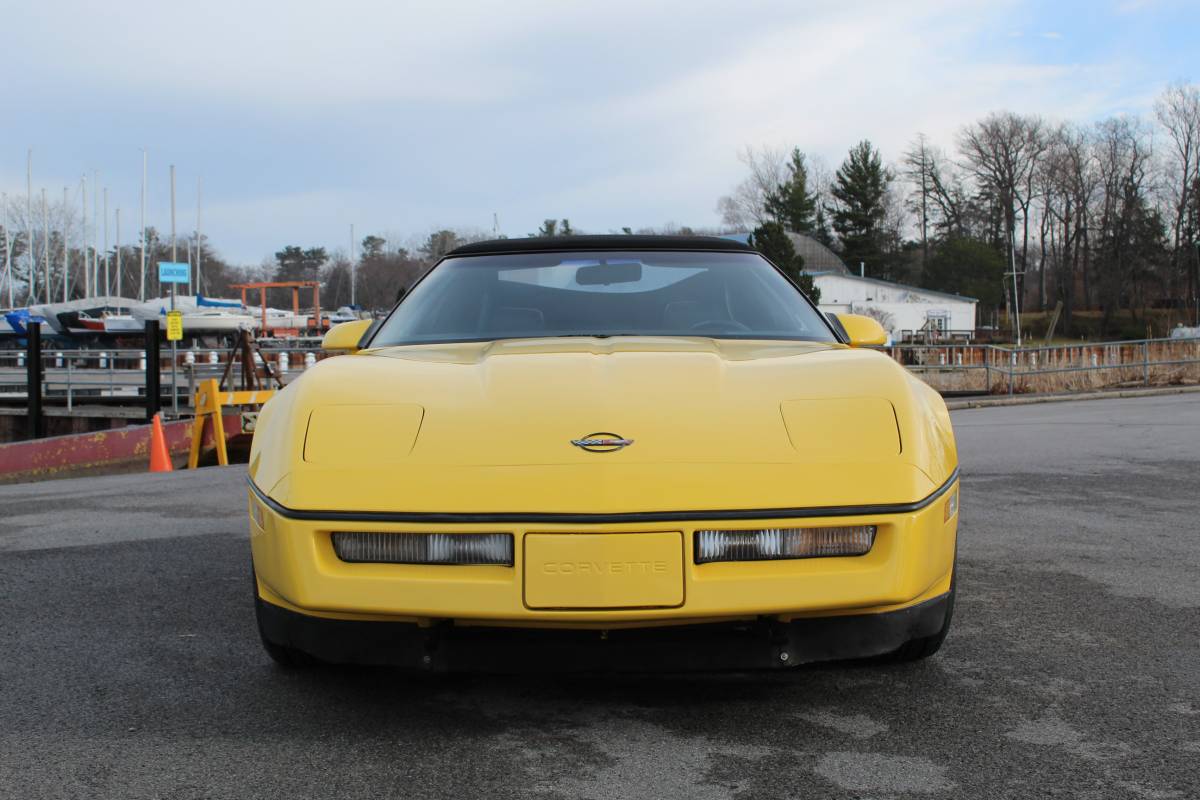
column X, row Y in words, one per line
column 714, row 424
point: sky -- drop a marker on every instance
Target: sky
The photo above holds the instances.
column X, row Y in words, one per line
column 302, row 118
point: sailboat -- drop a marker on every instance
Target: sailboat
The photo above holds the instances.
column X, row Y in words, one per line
column 200, row 314
column 86, row 315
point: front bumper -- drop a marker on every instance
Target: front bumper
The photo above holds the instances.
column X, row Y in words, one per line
column 760, row 644
column 910, row 564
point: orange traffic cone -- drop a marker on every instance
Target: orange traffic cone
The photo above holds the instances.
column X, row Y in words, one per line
column 160, row 459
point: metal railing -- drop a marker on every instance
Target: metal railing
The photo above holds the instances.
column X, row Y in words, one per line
column 999, row 369
column 74, row 376
column 285, row 361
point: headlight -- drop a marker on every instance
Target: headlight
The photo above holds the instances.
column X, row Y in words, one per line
column 779, row 543
column 425, row 548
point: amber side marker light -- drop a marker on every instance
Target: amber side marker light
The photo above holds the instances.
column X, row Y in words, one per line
column 468, row 549
column 951, row 506
column 768, row 544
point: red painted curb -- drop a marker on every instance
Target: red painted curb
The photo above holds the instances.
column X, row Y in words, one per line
column 45, row 457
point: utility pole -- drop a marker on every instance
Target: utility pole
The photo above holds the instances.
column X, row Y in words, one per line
column 174, row 343
column 1012, row 251
column 174, row 250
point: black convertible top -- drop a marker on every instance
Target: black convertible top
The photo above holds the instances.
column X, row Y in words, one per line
column 544, row 244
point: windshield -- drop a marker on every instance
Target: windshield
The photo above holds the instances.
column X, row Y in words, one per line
column 727, row 295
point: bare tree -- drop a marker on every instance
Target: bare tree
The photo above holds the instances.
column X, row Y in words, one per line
column 1002, row 152
column 1068, row 179
column 745, row 206
column 1178, row 112
column 939, row 194
column 1123, row 160
column 917, row 166
column 36, row 240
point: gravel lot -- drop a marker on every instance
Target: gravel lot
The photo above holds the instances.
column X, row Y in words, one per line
column 129, row 664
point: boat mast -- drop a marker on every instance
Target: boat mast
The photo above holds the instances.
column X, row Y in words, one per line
column 199, row 247
column 107, row 281
column 142, row 288
column 118, row 257
column 96, row 233
column 83, row 242
column 7, row 249
column 66, row 242
column 29, row 227
column 46, row 244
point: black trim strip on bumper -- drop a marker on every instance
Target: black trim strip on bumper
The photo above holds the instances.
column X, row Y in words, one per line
column 603, row 519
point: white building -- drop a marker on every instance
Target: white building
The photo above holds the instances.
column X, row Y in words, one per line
column 902, row 310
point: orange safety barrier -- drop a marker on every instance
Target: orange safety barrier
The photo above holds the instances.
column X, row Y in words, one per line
column 209, row 402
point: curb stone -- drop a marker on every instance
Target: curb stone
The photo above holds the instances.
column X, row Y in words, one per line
column 1023, row 400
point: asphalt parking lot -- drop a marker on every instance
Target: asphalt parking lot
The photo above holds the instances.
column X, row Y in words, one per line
column 130, row 667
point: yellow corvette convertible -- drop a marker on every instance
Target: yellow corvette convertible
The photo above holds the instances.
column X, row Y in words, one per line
column 609, row 452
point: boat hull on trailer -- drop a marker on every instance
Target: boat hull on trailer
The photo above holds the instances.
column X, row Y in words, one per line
column 17, row 321
column 216, row 322
column 123, row 323
column 73, row 315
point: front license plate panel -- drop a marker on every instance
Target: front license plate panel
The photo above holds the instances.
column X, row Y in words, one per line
column 581, row 571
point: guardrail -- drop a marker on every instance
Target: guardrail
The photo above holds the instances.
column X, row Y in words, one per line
column 997, row 369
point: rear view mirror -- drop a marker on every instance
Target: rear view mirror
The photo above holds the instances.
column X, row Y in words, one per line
column 862, row 331
column 604, row 274
column 344, row 338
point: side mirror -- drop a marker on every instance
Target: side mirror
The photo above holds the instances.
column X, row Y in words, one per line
column 344, row 338
column 862, row 331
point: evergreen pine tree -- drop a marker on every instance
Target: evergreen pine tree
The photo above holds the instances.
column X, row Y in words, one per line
column 791, row 204
column 772, row 241
column 860, row 187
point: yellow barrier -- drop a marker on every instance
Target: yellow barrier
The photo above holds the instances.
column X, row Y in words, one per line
column 209, row 401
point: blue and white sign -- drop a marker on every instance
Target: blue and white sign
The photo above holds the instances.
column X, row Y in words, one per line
column 173, row 272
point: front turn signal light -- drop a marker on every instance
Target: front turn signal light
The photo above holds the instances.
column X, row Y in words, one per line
column 466, row 549
column 768, row 544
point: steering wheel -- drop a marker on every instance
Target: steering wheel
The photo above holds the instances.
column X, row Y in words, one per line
column 717, row 325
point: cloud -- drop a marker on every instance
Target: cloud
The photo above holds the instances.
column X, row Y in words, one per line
column 303, row 117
